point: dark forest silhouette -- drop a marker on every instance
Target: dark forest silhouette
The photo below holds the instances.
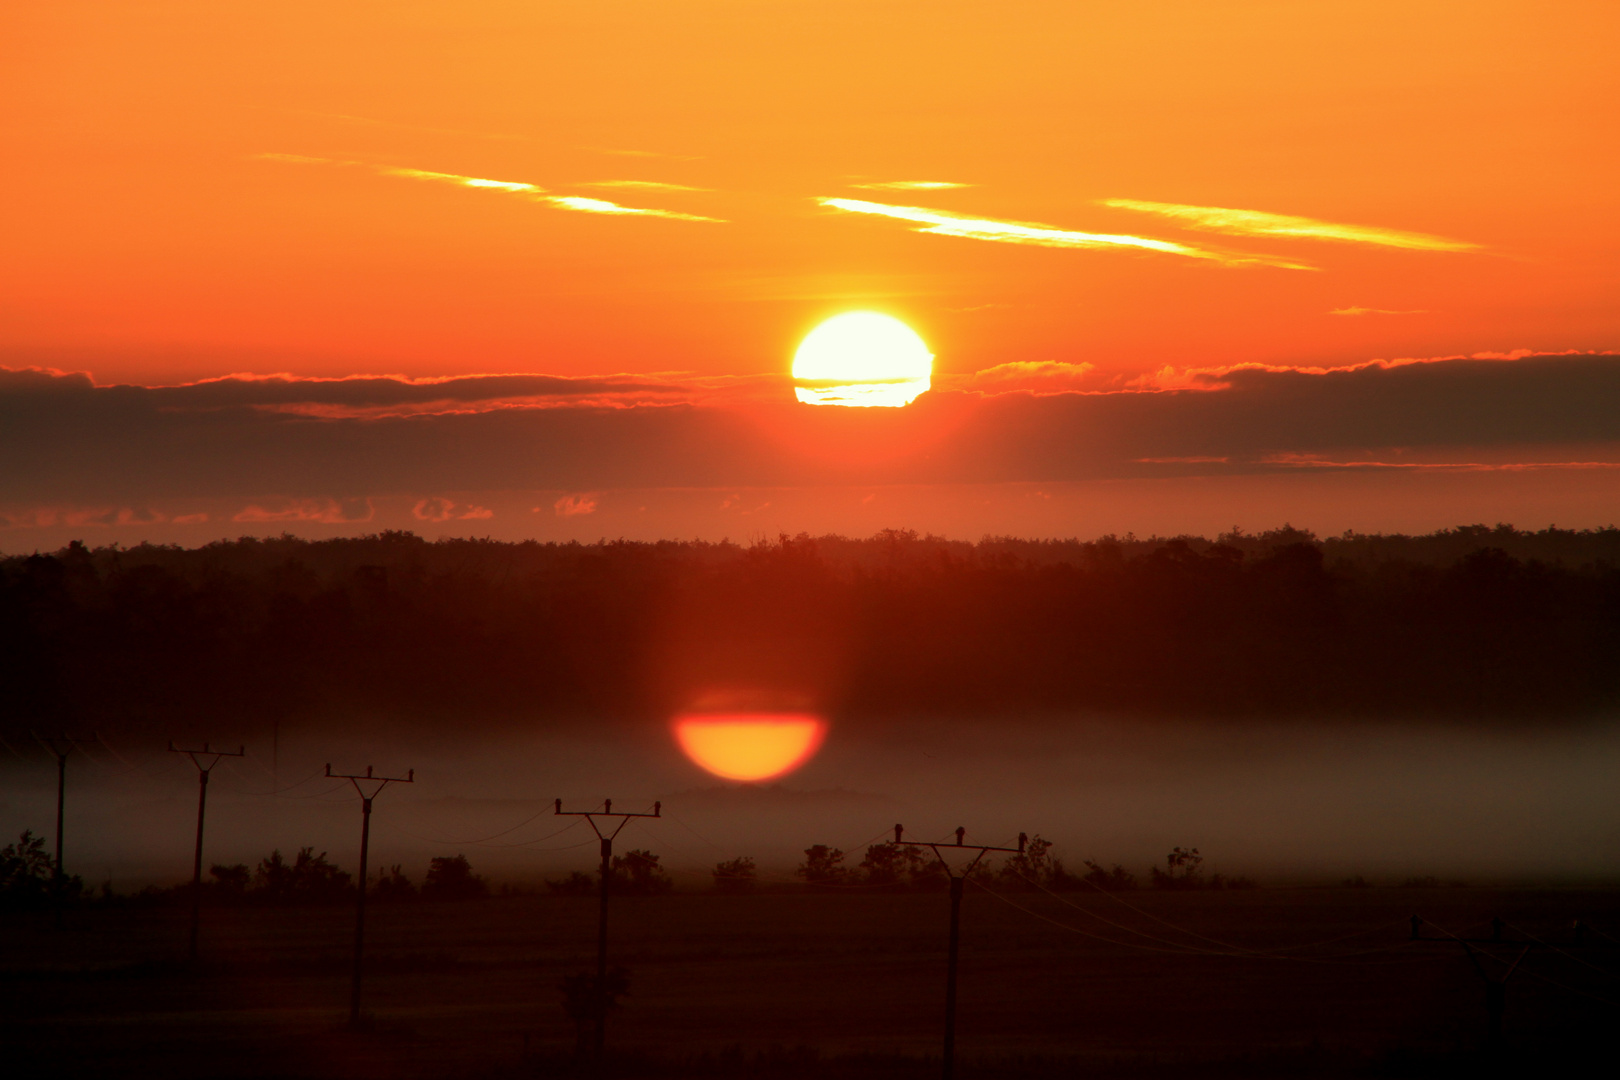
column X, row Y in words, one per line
column 1473, row 622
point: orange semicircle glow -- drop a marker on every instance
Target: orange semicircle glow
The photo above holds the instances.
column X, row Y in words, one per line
column 750, row 746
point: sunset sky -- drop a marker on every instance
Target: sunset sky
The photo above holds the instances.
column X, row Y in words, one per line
column 1092, row 213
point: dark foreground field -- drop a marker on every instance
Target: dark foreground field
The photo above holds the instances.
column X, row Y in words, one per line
column 836, row 985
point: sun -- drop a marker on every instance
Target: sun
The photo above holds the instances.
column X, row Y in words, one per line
column 862, row 358
column 750, row 746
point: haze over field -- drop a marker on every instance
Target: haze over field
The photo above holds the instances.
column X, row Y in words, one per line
column 1301, row 803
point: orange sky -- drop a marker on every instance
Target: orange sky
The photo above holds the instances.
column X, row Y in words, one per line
column 150, row 238
column 1056, row 196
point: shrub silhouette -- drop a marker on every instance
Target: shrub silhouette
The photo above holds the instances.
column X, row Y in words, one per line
column 823, row 865
column 451, row 878
column 27, row 875
column 393, row 886
column 735, row 875
column 1034, row 867
column 637, row 873
column 1182, row 870
column 575, row 884
column 230, row 883
column 309, row 878
column 1117, row 879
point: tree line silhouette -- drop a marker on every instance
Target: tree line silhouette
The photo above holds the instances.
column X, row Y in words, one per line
column 1483, row 622
column 906, row 867
column 26, row 881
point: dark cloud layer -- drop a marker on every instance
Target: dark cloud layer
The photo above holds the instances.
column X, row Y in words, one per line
column 63, row 438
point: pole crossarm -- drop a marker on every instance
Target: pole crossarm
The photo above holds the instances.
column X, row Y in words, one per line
column 607, row 811
column 960, row 844
column 380, row 781
column 207, row 751
column 64, row 744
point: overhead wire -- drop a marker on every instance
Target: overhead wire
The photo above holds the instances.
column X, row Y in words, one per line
column 1271, row 953
column 1193, row 950
column 1548, row 945
column 504, row 832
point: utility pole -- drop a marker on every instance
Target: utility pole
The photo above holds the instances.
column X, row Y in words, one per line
column 1496, row 986
column 957, row 871
column 376, row 784
column 202, row 806
column 61, row 746
column 590, row 816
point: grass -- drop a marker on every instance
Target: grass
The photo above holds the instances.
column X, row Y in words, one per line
column 812, row 985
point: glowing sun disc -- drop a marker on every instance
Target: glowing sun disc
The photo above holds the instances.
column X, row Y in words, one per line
column 750, row 746
column 862, row 358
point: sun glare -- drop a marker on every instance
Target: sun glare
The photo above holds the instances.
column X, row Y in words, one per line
column 750, row 746
column 862, row 358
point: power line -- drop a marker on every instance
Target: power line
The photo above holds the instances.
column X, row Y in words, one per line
column 1496, row 988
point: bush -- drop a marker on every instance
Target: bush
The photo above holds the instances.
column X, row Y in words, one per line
column 823, row 865
column 392, row 886
column 452, row 879
column 230, row 882
column 575, row 884
column 309, row 878
column 735, row 876
column 1183, row 870
column 1117, row 879
column 637, row 873
column 27, row 875
column 1034, row 867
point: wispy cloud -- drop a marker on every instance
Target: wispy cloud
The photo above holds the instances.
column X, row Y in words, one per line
column 642, row 185
column 910, row 185
column 323, row 511
column 1260, row 223
column 514, row 186
column 440, row 509
column 511, row 187
column 944, row 223
column 575, row 505
column 602, row 206
column 1035, row 376
column 1376, row 311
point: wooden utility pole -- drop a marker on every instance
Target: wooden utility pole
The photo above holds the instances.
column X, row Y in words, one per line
column 599, row 1041
column 196, row 757
column 376, row 784
column 957, row 871
column 1496, row 985
column 61, row 746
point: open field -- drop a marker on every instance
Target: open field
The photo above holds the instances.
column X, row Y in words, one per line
column 837, row 984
